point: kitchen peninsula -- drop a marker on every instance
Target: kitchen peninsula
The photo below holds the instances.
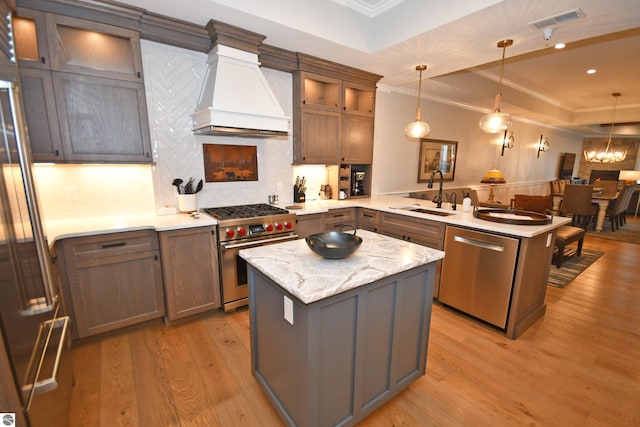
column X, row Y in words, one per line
column 332, row 340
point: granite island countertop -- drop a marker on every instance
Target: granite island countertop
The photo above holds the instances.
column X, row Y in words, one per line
column 309, row 277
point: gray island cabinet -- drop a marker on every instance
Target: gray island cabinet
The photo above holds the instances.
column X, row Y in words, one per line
column 333, row 340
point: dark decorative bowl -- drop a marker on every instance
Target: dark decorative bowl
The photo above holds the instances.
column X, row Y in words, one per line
column 334, row 244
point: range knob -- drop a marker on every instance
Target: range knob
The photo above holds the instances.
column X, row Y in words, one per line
column 288, row 225
column 279, row 226
column 230, row 233
column 269, row 227
column 242, row 231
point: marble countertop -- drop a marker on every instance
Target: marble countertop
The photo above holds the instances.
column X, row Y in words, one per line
column 399, row 203
column 75, row 227
column 309, row 277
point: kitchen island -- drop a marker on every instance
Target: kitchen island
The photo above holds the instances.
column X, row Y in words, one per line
column 333, row 340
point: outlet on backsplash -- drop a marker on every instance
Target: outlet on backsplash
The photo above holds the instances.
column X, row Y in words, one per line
column 71, row 193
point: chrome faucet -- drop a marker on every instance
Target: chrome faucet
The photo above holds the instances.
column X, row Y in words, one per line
column 437, row 200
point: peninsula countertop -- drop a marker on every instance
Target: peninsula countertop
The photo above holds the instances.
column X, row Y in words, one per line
column 309, row 277
column 399, row 204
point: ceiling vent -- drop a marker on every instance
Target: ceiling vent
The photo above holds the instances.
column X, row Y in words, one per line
column 559, row 19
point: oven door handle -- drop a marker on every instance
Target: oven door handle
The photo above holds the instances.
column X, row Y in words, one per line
column 258, row 242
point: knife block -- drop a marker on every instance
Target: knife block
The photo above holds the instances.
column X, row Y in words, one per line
column 298, row 196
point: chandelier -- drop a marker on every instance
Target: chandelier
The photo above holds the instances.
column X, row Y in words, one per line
column 607, row 155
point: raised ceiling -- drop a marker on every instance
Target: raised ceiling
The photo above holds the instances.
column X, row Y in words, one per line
column 457, row 40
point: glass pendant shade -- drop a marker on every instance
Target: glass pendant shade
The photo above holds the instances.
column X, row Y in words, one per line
column 497, row 121
column 418, row 129
column 606, row 155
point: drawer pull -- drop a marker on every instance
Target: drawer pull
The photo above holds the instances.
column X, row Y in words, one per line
column 113, row 245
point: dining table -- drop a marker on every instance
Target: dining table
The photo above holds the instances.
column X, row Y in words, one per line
column 599, row 198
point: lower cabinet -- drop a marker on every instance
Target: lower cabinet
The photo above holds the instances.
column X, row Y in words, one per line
column 336, row 218
column 415, row 230
column 369, row 219
column 110, row 281
column 310, row 224
column 190, row 269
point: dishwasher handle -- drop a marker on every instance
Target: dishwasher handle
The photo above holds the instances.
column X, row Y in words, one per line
column 479, row 243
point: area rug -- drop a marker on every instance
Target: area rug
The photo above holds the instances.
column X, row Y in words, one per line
column 630, row 232
column 571, row 268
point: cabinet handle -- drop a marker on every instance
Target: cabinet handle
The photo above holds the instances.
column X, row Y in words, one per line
column 43, row 60
column 304, row 101
column 57, row 153
column 213, row 232
column 113, row 245
column 155, row 257
column 138, row 74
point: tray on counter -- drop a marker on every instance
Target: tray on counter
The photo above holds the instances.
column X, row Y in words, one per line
column 512, row 216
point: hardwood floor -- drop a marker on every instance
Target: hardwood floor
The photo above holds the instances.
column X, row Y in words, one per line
column 577, row 366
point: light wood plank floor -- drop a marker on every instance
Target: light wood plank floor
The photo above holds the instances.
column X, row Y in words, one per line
column 578, row 366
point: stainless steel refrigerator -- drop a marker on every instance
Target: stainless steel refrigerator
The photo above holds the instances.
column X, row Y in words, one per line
column 35, row 369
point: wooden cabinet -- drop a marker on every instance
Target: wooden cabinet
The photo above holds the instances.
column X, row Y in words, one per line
column 420, row 231
column 88, row 47
column 42, row 117
column 368, row 219
column 333, row 120
column 356, row 139
column 310, row 224
column 190, row 270
column 84, row 90
column 336, row 218
column 110, row 281
column 100, row 119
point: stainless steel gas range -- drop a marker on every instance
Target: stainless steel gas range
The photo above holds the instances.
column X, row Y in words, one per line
column 241, row 227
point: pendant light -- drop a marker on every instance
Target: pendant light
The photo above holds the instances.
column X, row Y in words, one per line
column 606, row 155
column 418, row 129
column 497, row 121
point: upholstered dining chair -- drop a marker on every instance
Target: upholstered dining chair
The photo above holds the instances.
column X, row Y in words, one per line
column 526, row 202
column 615, row 212
column 607, row 187
column 576, row 202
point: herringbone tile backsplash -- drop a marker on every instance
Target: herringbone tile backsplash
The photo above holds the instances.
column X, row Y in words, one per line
column 173, row 79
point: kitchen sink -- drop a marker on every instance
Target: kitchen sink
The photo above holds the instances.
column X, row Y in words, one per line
column 431, row 212
column 417, row 208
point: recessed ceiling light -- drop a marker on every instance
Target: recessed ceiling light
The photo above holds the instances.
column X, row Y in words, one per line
column 591, row 71
column 559, row 45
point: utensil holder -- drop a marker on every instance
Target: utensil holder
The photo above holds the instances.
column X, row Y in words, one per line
column 187, row 203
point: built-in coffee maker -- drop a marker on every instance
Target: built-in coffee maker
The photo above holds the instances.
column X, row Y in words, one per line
column 357, row 183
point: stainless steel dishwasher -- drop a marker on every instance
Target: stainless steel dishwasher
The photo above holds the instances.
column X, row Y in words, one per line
column 477, row 273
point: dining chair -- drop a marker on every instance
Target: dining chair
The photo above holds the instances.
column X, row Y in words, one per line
column 576, row 202
column 526, row 202
column 615, row 212
column 628, row 196
column 606, row 187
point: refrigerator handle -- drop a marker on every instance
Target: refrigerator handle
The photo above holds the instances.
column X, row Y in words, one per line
column 51, row 383
column 42, row 247
column 479, row 243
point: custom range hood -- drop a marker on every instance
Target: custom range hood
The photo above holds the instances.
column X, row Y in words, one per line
column 236, row 99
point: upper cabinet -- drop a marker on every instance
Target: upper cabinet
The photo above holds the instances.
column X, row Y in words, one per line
column 91, row 48
column 333, row 117
column 84, row 90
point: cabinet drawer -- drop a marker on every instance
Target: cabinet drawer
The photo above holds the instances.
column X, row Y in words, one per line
column 337, row 217
column 421, row 231
column 106, row 245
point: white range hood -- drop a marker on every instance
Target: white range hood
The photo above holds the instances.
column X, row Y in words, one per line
column 236, row 99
